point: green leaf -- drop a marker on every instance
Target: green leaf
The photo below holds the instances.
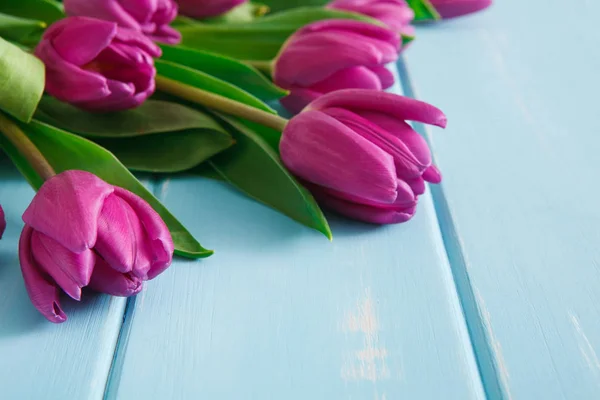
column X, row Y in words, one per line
column 206, row 170
column 22, row 79
column 424, row 10
column 227, row 69
column 17, row 28
column 158, row 136
column 209, row 83
column 406, row 39
column 245, row 12
column 168, row 153
column 280, row 5
column 65, row 151
column 255, row 168
column 299, row 17
column 153, row 116
column 262, row 38
column 48, row 11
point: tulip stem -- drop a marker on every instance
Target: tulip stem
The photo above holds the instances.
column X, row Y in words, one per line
column 220, row 103
column 26, row 147
column 261, row 65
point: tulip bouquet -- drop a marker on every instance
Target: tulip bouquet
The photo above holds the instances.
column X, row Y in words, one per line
column 91, row 90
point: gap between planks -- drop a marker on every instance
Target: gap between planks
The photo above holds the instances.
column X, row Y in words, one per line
column 158, row 187
column 483, row 343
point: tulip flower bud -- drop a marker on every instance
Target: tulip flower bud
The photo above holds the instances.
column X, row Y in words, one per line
column 457, row 8
column 149, row 17
column 2, row 222
column 396, row 14
column 81, row 231
column 207, row 8
column 332, row 55
column 358, row 155
column 96, row 65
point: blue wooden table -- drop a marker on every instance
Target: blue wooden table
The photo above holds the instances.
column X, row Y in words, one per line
column 491, row 292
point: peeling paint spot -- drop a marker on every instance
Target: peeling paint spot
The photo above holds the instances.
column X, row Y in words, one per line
column 369, row 362
column 164, row 188
column 585, row 347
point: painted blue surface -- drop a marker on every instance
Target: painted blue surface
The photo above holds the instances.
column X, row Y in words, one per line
column 490, row 292
column 519, row 205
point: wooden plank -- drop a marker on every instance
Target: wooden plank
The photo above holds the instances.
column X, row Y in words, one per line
column 40, row 360
column 281, row 313
column 519, row 204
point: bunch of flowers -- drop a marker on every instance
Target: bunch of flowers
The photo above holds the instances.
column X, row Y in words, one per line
column 91, row 90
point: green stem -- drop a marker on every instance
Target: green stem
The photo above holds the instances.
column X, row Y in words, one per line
column 220, row 103
column 261, row 65
column 26, row 147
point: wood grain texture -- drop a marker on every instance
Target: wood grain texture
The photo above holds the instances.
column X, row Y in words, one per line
column 519, row 204
column 40, row 360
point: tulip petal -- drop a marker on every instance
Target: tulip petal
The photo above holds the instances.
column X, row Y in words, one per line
column 141, row 10
column 107, row 280
column 122, row 241
column 394, row 13
column 363, row 28
column 66, row 81
column 166, row 34
column 415, row 143
column 43, row 294
column 71, row 271
column 80, row 39
column 206, row 8
column 137, row 39
column 157, row 231
column 385, row 76
column 322, row 150
column 2, row 222
column 400, row 107
column 353, row 77
column 457, row 8
column 67, row 208
column 417, row 185
column 407, row 165
column 405, row 197
column 303, row 62
column 112, row 11
column 432, row 174
column 366, row 213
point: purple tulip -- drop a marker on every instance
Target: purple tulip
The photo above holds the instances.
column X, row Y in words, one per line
column 2, row 222
column 152, row 17
column 358, row 155
column 331, row 55
column 96, row 65
column 207, row 8
column 80, row 231
column 457, row 8
column 396, row 14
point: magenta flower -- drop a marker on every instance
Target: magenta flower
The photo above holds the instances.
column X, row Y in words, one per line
column 150, row 17
column 335, row 54
column 2, row 222
column 96, row 65
column 359, row 156
column 457, row 8
column 207, row 8
column 394, row 13
column 80, row 231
